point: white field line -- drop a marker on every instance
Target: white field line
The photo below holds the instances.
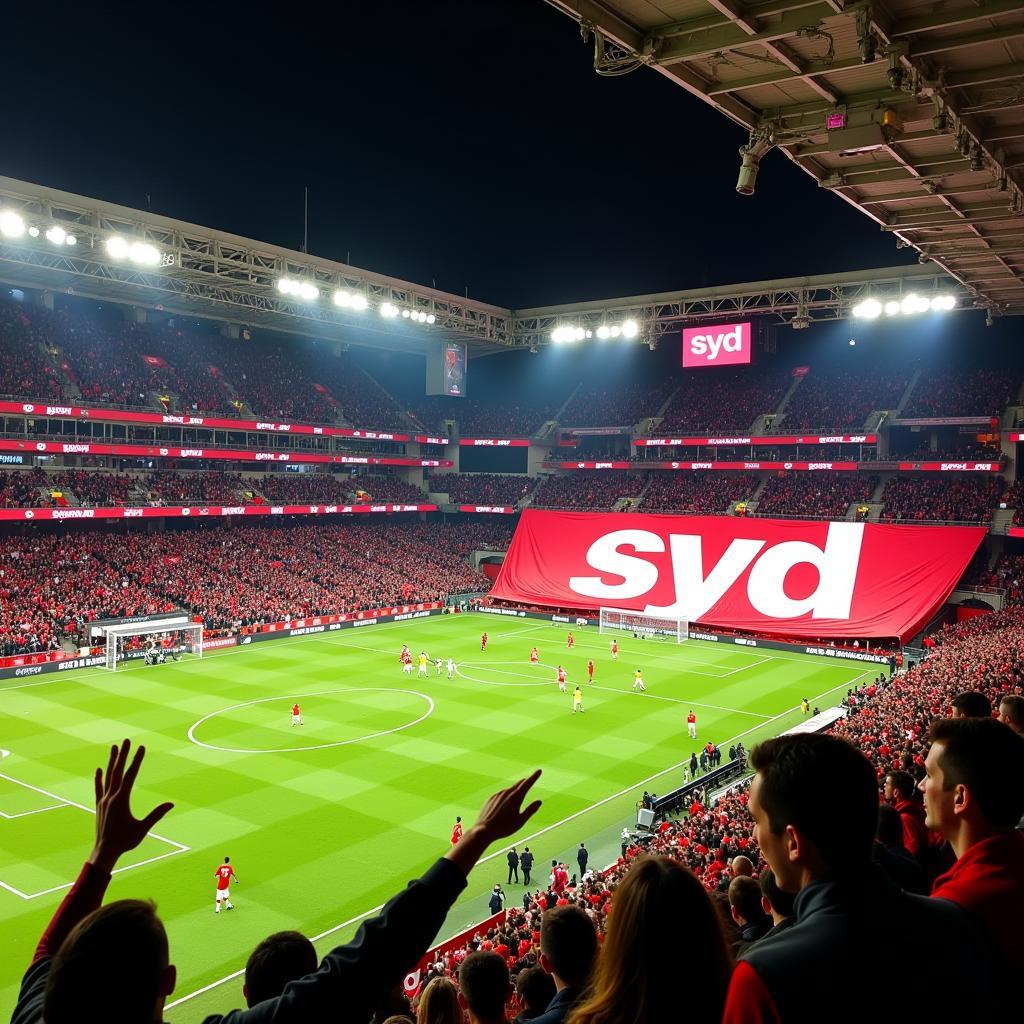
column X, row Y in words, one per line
column 744, row 668
column 518, row 841
column 38, row 810
column 678, row 700
column 64, row 802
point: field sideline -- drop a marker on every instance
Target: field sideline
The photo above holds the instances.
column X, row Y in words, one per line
column 326, row 821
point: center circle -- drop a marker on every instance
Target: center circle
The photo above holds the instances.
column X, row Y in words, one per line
column 368, row 714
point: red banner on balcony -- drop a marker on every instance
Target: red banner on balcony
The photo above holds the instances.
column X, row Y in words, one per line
column 494, row 442
column 181, row 420
column 952, row 467
column 800, row 579
column 504, row 510
column 762, row 440
column 201, row 511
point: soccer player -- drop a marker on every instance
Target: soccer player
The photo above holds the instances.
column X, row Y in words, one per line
column 691, row 724
column 296, row 715
column 407, row 663
column 561, row 679
column 451, row 668
column 457, row 831
column 437, row 665
column 483, row 642
column 534, row 656
column 569, row 641
column 577, row 700
column 405, row 653
column 590, row 669
column 805, row 706
column 423, row 664
column 224, row 875
column 615, row 650
column 638, row 681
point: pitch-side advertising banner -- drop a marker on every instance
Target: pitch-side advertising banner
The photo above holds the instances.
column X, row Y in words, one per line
column 800, row 579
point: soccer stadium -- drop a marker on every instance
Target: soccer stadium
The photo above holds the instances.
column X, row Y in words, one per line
column 639, row 637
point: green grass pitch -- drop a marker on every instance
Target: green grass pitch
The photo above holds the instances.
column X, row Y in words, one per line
column 324, row 822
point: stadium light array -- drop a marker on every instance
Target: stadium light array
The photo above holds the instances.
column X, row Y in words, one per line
column 389, row 309
column 909, row 305
column 567, row 333
column 350, row 300
column 12, row 225
column 300, row 289
column 143, row 253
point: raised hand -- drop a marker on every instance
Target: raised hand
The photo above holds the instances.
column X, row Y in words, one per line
column 503, row 815
column 117, row 829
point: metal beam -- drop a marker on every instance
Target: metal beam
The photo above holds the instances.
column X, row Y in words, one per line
column 929, row 46
column 779, row 77
column 947, row 19
column 984, row 76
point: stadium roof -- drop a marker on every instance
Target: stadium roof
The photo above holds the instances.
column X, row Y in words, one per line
column 910, row 110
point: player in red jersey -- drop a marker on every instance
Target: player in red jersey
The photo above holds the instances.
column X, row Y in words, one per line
column 534, row 656
column 561, row 678
column 457, row 831
column 296, row 715
column 225, row 875
column 615, row 650
column 590, row 670
column 570, row 641
column 691, row 724
column 483, row 642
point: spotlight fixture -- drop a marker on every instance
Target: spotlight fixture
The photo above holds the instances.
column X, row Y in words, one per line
column 12, row 225
column 350, row 300
column 299, row 289
column 869, row 309
column 388, row 309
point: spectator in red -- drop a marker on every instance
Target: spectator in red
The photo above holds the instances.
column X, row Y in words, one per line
column 899, row 792
column 973, row 797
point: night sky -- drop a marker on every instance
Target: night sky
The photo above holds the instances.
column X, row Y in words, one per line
column 466, row 143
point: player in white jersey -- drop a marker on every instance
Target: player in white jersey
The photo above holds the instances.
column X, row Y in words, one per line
column 451, row 668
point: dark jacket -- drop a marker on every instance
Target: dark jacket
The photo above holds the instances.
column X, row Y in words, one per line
column 835, row 920
column 559, row 1007
column 513, row 859
column 582, row 856
column 526, row 860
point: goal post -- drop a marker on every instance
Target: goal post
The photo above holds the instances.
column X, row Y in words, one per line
column 185, row 636
column 618, row 620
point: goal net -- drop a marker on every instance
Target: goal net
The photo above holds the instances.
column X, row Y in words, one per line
column 616, row 620
column 152, row 642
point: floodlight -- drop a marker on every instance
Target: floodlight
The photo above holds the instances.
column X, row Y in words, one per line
column 944, row 303
column 603, row 332
column 56, row 234
column 615, row 331
column 358, row 301
column 144, row 253
column 388, row 309
column 70, row 240
column 892, row 307
column 12, row 225
column 342, row 298
column 909, row 304
column 117, row 247
column 421, row 316
column 579, row 334
column 431, row 318
column 630, row 329
column 405, row 313
column 308, row 291
column 285, row 285
column 33, row 231
column 868, row 309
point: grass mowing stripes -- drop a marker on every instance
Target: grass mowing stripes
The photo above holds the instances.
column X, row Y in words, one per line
column 326, row 821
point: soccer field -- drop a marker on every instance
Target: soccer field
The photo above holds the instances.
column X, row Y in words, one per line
column 324, row 822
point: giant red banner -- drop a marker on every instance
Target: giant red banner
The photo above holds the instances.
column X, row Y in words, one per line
column 799, row 579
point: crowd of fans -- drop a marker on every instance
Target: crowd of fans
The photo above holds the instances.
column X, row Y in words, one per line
column 619, row 404
column 840, row 402
column 292, row 488
column 587, row 490
column 22, row 488
column 696, row 492
column 815, row 493
column 485, row 417
column 25, row 367
column 482, row 488
column 231, row 577
column 964, row 393
column 941, row 497
column 194, row 487
column 723, row 402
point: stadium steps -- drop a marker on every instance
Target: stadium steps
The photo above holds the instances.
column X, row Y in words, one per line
column 68, row 386
column 1012, row 415
column 876, row 497
column 545, row 430
column 756, row 496
column 762, row 424
column 780, row 410
column 908, row 392
column 1002, row 520
column 565, row 405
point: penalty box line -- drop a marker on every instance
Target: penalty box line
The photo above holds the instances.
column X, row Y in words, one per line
column 64, row 802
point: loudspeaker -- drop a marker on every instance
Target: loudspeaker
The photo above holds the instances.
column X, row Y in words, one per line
column 644, row 818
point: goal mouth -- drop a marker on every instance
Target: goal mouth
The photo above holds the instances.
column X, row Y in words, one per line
column 169, row 638
column 639, row 624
